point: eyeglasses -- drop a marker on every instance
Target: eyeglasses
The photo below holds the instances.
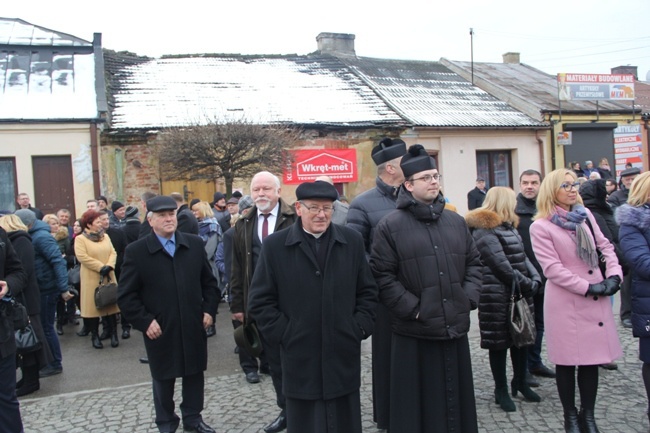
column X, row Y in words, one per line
column 567, row 186
column 428, row 178
column 315, row 210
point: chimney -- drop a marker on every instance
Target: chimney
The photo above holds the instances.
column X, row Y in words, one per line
column 511, row 58
column 626, row 70
column 336, row 43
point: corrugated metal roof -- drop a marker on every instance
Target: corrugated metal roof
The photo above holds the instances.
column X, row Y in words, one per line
column 533, row 86
column 14, row 31
column 429, row 94
column 176, row 91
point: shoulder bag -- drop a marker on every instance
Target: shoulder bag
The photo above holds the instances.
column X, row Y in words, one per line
column 26, row 340
column 105, row 293
column 74, row 274
column 521, row 319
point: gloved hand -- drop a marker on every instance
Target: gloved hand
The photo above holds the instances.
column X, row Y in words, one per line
column 598, row 289
column 105, row 271
column 613, row 284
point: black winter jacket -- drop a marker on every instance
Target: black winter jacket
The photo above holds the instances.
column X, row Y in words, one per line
column 426, row 264
column 504, row 263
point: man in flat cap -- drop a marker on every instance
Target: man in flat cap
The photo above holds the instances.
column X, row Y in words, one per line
column 365, row 212
column 616, row 199
column 476, row 196
column 168, row 292
column 429, row 275
column 317, row 311
column 270, row 214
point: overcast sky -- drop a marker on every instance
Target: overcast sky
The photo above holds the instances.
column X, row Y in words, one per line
column 554, row 35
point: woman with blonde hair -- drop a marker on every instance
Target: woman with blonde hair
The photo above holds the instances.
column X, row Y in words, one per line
column 505, row 266
column 30, row 297
column 566, row 240
column 634, row 240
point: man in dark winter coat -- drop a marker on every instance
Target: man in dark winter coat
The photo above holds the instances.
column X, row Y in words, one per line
column 318, row 310
column 12, row 278
column 23, row 203
column 476, row 196
column 429, row 275
column 131, row 227
column 168, row 292
column 529, row 183
column 363, row 216
column 270, row 214
column 187, row 222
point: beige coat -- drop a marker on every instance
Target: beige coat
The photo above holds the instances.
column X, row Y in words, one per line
column 93, row 256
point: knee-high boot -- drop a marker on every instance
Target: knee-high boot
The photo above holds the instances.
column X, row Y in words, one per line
column 112, row 320
column 498, row 367
column 519, row 358
column 30, row 381
column 93, row 325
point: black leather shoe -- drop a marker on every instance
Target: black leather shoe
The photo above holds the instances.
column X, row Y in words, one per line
column 27, row 389
column 278, row 425
column 627, row 323
column 543, row 371
column 252, row 377
column 144, row 360
column 211, row 331
column 126, row 333
column 49, row 371
column 201, row 427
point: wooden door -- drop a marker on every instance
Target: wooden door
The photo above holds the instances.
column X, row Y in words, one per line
column 53, row 186
column 201, row 189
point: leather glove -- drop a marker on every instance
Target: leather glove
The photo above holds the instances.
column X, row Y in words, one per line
column 613, row 284
column 598, row 289
column 105, row 271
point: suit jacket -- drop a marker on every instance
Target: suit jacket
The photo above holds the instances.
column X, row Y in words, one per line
column 174, row 291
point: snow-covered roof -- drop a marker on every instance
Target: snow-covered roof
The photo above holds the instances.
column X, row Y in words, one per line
column 306, row 90
column 45, row 75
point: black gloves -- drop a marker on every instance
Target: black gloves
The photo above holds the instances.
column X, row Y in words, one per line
column 105, row 271
column 607, row 287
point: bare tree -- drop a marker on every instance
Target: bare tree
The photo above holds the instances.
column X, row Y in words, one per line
column 234, row 149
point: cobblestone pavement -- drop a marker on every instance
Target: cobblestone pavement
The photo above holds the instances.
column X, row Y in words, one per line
column 234, row 406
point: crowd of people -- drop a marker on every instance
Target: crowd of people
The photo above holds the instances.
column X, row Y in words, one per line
column 306, row 282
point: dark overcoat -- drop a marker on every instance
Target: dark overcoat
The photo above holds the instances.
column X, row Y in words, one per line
column 11, row 271
column 318, row 317
column 174, row 291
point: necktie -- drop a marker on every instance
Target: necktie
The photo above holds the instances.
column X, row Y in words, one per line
column 265, row 226
column 169, row 246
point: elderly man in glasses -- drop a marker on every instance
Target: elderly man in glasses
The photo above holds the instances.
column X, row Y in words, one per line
column 314, row 297
column 429, row 274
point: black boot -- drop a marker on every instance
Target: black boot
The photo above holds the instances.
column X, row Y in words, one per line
column 587, row 421
column 498, row 367
column 30, row 382
column 106, row 329
column 571, row 424
column 85, row 329
column 519, row 367
column 112, row 320
column 97, row 343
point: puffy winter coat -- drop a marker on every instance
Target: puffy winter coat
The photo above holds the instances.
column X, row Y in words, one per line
column 426, row 265
column 635, row 244
column 50, row 267
column 504, row 264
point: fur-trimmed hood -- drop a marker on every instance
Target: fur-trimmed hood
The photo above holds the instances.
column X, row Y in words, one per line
column 483, row 219
column 634, row 216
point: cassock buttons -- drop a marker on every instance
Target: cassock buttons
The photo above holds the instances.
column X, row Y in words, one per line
column 600, row 323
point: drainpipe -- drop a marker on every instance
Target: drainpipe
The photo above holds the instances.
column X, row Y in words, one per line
column 540, row 142
column 119, row 171
column 94, row 157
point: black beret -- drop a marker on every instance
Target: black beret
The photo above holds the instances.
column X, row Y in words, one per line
column 387, row 150
column 131, row 211
column 630, row 172
column 103, row 198
column 237, row 194
column 116, row 205
column 316, row 190
column 161, row 203
column 416, row 160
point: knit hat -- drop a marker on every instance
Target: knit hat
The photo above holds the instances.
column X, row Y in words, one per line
column 245, row 202
column 237, row 194
column 218, row 196
column 116, row 205
column 26, row 216
column 416, row 160
column 387, row 150
column 131, row 211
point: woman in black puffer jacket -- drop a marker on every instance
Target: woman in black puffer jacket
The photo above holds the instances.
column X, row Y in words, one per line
column 493, row 226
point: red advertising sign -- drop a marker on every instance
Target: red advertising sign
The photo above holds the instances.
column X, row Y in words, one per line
column 339, row 164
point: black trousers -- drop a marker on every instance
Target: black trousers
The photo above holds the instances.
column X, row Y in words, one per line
column 191, row 407
column 10, row 420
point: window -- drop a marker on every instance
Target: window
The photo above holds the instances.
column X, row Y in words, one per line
column 8, row 181
column 495, row 168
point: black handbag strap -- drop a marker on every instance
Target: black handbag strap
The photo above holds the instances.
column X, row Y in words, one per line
column 515, row 292
column 591, row 229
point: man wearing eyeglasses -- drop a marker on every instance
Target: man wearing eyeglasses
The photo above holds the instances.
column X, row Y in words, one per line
column 429, row 275
column 317, row 309
column 270, row 214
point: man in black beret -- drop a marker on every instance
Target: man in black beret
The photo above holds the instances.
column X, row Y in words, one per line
column 168, row 292
column 429, row 275
column 314, row 298
column 365, row 212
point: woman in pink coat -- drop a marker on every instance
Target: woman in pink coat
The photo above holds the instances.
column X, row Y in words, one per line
column 579, row 323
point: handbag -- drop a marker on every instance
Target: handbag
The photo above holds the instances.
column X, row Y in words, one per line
column 26, row 340
column 74, row 274
column 521, row 321
column 105, row 294
column 18, row 314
